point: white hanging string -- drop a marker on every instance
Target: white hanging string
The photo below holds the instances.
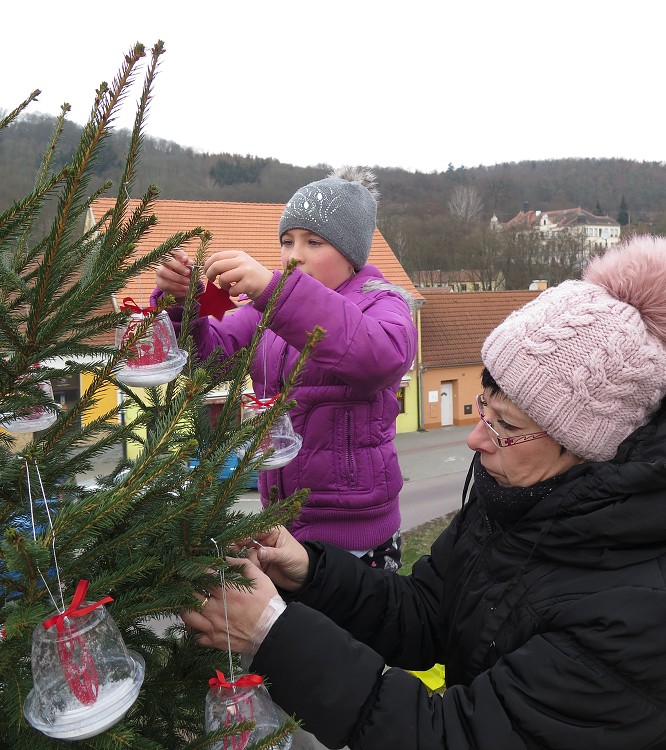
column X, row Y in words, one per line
column 129, row 198
column 264, row 342
column 53, row 538
column 226, row 619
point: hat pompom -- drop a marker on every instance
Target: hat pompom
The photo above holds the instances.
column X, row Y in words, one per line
column 362, row 175
column 635, row 273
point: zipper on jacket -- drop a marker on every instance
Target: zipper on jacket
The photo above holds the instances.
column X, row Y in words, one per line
column 349, row 452
column 488, row 523
column 488, row 527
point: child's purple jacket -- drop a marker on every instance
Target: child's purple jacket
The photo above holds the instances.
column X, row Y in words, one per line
column 346, row 402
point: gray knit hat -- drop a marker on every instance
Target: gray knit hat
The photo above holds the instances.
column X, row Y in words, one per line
column 341, row 208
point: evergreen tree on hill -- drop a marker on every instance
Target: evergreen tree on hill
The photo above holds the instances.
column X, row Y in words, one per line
column 623, row 212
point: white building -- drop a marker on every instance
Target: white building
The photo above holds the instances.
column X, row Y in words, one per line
column 599, row 231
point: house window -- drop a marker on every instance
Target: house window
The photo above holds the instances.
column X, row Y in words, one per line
column 463, row 287
column 214, row 404
column 400, row 393
column 66, row 391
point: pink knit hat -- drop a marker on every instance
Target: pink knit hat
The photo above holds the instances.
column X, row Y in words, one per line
column 587, row 359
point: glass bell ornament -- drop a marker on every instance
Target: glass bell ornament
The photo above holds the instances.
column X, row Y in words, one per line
column 242, row 699
column 34, row 419
column 154, row 358
column 281, row 438
column 84, row 678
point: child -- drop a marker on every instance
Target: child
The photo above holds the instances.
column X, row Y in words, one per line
column 346, row 402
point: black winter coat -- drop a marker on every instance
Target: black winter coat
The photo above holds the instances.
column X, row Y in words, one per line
column 552, row 631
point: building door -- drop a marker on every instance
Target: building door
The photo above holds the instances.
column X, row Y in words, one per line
column 446, row 401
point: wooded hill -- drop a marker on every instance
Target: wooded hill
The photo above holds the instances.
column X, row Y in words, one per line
column 418, row 212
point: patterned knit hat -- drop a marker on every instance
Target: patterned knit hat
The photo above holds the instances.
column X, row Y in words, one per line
column 587, row 359
column 342, row 209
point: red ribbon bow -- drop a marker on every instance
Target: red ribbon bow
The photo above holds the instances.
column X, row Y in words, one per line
column 73, row 609
column 130, row 304
column 252, row 402
column 245, row 680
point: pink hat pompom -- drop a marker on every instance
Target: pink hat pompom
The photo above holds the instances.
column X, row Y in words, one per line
column 635, row 272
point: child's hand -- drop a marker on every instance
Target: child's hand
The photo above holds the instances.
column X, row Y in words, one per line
column 173, row 275
column 238, row 273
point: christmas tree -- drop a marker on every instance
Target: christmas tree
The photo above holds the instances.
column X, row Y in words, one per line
column 153, row 531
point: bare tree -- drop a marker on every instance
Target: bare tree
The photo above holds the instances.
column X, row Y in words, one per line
column 393, row 229
column 465, row 204
column 568, row 253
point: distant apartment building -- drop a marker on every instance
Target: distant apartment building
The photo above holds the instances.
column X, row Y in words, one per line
column 600, row 232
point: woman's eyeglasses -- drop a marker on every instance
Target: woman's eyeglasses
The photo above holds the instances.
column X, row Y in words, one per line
column 503, row 442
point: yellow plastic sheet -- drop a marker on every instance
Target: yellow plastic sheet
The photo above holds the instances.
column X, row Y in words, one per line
column 432, row 678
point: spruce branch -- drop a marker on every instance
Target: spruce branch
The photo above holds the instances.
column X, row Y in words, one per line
column 51, row 147
column 136, row 138
column 12, row 220
column 93, row 134
column 11, row 116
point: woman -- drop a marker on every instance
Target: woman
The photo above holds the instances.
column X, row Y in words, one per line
column 346, row 402
column 546, row 597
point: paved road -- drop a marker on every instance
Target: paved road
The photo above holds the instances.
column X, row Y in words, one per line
column 434, row 465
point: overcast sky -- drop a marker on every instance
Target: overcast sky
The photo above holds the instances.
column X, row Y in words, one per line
column 416, row 84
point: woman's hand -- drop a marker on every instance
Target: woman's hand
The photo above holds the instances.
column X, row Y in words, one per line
column 238, row 273
column 248, row 618
column 280, row 557
column 173, row 275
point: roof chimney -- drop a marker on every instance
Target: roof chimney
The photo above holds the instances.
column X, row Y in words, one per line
column 526, row 206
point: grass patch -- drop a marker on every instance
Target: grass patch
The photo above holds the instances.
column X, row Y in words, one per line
column 417, row 541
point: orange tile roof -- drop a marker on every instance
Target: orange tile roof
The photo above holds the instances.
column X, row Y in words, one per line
column 244, row 226
column 454, row 325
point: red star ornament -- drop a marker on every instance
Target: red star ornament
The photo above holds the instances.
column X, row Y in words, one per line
column 214, row 301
